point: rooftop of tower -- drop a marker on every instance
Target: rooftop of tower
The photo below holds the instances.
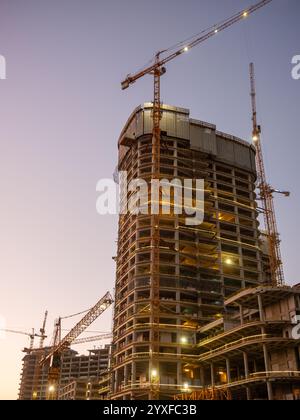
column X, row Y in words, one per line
column 203, row 136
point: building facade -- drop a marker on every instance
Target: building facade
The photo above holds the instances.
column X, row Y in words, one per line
column 199, row 265
column 73, row 366
column 253, row 352
column 80, row 389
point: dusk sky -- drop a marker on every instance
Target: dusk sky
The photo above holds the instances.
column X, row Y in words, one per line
column 62, row 110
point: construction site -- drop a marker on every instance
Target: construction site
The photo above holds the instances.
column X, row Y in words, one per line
column 202, row 311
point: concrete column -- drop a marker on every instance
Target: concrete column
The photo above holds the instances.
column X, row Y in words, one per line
column 116, row 380
column 261, row 309
column 212, row 374
column 246, row 365
column 179, row 373
column 254, row 366
column 125, row 375
column 133, row 372
column 266, row 358
column 202, row 376
column 228, row 370
column 248, row 391
column 268, row 369
column 270, row 391
column 241, row 315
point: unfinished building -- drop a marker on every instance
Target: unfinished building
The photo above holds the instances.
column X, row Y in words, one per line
column 86, row 368
column 200, row 266
column 253, row 351
column 80, row 389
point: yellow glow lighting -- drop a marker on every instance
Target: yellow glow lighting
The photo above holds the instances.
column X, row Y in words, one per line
column 154, row 373
column 245, row 14
column 228, row 261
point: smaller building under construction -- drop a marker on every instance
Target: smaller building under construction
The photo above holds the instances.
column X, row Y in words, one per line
column 75, row 371
column 252, row 352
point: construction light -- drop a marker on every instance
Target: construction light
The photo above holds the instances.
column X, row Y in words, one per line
column 216, row 31
column 186, row 49
column 255, row 138
column 51, row 388
column 154, row 373
column 228, row 261
column 245, row 14
column 183, row 340
column 186, row 386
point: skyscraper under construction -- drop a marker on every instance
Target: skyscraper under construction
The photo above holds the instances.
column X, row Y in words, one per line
column 199, row 265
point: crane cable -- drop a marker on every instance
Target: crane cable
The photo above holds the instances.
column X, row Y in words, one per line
column 73, row 315
column 182, row 43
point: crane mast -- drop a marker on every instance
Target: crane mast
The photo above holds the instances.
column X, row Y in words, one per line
column 43, row 330
column 266, row 196
column 157, row 69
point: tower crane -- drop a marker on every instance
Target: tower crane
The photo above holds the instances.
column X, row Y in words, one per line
column 31, row 335
column 157, row 69
column 53, row 358
column 43, row 330
column 266, row 195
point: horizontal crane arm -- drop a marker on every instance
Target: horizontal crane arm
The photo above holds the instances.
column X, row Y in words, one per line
column 216, row 29
column 93, row 338
column 81, row 326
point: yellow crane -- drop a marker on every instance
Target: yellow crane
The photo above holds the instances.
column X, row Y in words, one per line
column 157, row 69
column 53, row 358
column 266, row 196
column 31, row 335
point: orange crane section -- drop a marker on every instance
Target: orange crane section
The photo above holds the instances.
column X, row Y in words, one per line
column 54, row 356
column 266, row 196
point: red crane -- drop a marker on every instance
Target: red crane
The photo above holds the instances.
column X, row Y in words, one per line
column 157, row 69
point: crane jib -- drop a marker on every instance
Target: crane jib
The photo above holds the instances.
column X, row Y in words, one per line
column 214, row 30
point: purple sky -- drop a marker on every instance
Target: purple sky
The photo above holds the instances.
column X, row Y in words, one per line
column 62, row 110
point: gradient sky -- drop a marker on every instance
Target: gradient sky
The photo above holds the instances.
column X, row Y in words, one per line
column 62, row 110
